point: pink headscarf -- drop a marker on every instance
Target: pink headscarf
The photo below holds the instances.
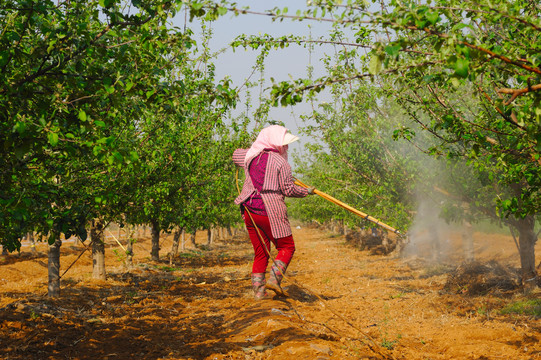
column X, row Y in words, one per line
column 271, row 137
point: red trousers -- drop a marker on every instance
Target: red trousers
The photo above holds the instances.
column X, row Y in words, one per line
column 285, row 245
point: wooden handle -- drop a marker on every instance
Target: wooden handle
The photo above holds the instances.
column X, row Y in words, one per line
column 347, row 207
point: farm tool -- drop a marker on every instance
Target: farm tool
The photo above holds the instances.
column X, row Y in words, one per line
column 372, row 344
column 349, row 208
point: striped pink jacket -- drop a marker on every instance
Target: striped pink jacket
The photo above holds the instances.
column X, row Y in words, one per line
column 278, row 184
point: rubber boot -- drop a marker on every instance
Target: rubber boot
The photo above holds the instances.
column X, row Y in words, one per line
column 277, row 272
column 258, row 285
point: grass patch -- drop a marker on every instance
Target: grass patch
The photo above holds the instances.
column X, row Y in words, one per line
column 129, row 297
column 387, row 344
column 33, row 315
column 193, row 254
column 398, row 296
column 390, row 344
column 167, row 268
column 531, row 307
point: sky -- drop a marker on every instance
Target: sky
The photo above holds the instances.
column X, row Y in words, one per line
column 284, row 64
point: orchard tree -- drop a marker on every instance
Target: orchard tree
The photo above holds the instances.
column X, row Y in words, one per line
column 76, row 75
column 78, row 78
column 189, row 181
column 357, row 161
column 430, row 57
column 489, row 51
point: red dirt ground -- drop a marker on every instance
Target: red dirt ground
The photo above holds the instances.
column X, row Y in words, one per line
column 343, row 304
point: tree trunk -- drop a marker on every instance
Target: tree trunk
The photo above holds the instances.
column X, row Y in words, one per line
column 192, row 238
column 155, row 253
column 53, row 267
column 210, row 236
column 229, row 232
column 98, row 250
column 183, row 240
column 32, row 242
column 174, row 248
column 467, row 241
column 526, row 240
column 129, row 247
column 129, row 253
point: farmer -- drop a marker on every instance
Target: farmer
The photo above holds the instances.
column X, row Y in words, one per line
column 267, row 181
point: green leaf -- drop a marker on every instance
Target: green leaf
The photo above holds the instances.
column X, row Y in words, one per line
column 222, row 11
column 99, row 123
column 118, row 156
column 82, row 115
column 53, row 138
column 129, row 85
column 432, row 16
column 421, row 24
column 19, row 127
column 375, row 65
column 110, row 89
column 462, row 67
column 4, row 57
column 538, row 143
column 538, row 115
column 150, row 93
column 392, row 50
column 107, row 3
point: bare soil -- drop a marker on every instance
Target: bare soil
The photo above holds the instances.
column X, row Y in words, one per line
column 344, row 304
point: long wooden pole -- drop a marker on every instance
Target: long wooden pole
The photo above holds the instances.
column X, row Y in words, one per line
column 349, row 208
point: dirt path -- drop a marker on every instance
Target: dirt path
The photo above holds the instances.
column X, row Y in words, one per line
column 201, row 308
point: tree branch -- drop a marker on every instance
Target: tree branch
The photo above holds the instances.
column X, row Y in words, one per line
column 517, row 92
column 475, row 47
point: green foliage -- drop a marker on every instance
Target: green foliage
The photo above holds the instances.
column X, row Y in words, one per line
column 530, row 307
column 462, row 72
column 105, row 113
column 389, row 344
column 457, row 62
column 357, row 163
column 468, row 75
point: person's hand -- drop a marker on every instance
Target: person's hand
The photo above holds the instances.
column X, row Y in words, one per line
column 311, row 190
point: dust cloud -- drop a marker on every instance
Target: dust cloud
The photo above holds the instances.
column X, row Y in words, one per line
column 429, row 234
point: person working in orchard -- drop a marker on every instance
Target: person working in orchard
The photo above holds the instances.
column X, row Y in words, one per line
column 268, row 180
